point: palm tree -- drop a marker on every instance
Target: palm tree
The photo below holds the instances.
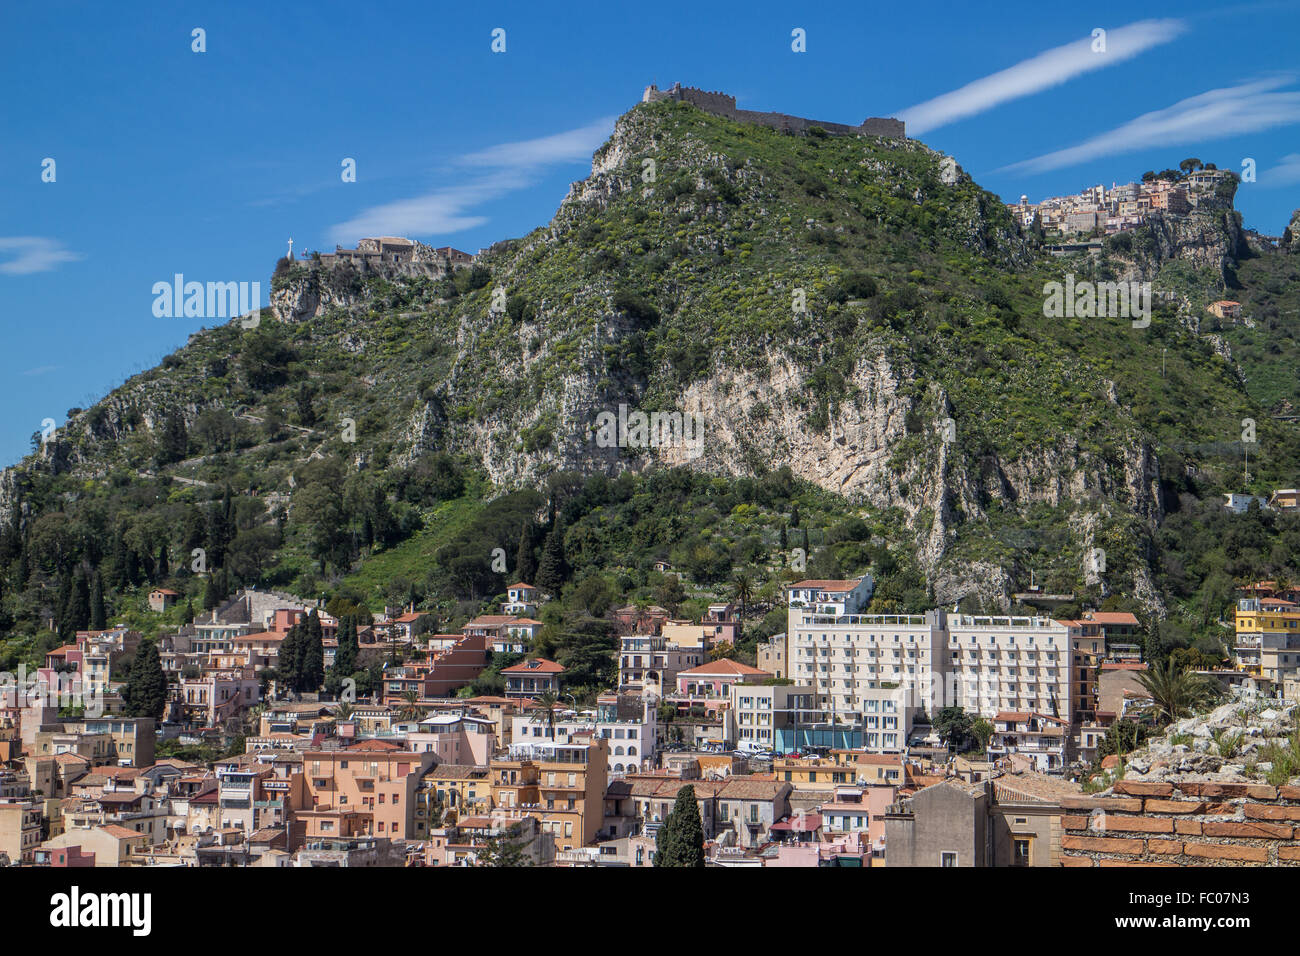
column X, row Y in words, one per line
column 1174, row 691
column 742, row 586
column 411, row 705
column 343, row 711
column 544, row 712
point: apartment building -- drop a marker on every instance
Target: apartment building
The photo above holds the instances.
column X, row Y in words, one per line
column 563, row 785
column 629, row 724
column 1267, row 642
column 854, row 661
column 759, row 713
column 20, row 827
column 649, row 663
column 367, row 789
column 1039, row 738
column 1011, row 664
column 122, row 740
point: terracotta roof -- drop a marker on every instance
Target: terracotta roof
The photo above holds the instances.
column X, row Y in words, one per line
column 520, row 584
column 538, row 665
column 1033, row 788
column 457, row 771
column 374, row 744
column 724, row 666
column 822, row 585
column 260, row 636
column 122, row 833
column 1112, row 617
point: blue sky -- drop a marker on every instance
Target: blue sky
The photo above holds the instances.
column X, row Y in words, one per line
column 170, row 161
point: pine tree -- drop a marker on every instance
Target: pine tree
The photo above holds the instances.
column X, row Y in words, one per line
column 145, row 694
column 525, row 563
column 552, row 570
column 680, row 841
column 98, row 614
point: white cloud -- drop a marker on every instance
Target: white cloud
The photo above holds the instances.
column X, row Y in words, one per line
column 1286, row 172
column 571, row 146
column 24, row 255
column 1215, row 114
column 513, row 166
column 41, row 370
column 1050, row 68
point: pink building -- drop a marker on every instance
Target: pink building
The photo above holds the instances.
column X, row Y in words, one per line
column 715, row 678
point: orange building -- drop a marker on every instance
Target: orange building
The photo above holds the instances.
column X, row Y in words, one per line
column 563, row 785
column 368, row 789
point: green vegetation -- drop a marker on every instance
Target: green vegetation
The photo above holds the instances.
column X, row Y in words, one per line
column 680, row 840
column 412, row 446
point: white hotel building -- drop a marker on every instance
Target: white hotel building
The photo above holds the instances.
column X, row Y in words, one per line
column 1010, row 664
column 870, row 670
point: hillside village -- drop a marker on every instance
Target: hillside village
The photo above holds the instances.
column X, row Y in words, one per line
column 845, row 746
column 911, row 728
column 1100, row 211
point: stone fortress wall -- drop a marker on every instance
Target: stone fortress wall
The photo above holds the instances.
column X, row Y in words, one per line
column 722, row 104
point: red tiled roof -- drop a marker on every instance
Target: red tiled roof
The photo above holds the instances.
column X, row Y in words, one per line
column 724, row 666
column 538, row 665
column 821, row 585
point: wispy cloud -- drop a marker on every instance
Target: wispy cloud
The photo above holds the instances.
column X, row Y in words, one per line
column 571, row 146
column 1047, row 69
column 1215, row 114
column 41, row 370
column 1284, row 173
column 24, row 255
column 511, row 167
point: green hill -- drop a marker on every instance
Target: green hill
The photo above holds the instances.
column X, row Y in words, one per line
column 865, row 344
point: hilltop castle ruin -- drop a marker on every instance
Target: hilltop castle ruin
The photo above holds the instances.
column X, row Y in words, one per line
column 724, row 105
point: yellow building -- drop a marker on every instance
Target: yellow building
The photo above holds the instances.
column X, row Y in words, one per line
column 459, row 787
column 1268, row 638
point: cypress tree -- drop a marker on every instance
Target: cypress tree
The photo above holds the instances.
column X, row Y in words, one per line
column 290, row 660
column 312, row 669
column 145, row 694
column 345, row 658
column 161, row 568
column 98, row 614
column 525, row 563
column 62, row 605
column 680, row 841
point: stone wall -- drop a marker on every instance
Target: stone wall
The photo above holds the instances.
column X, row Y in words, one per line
column 1183, row 823
column 722, row 104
